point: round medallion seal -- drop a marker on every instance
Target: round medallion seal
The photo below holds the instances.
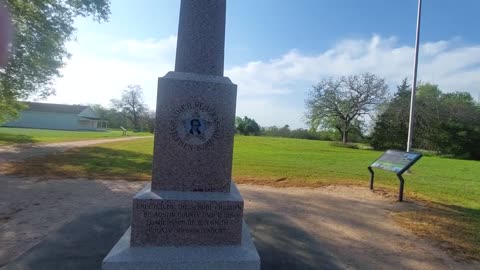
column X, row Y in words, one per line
column 194, row 125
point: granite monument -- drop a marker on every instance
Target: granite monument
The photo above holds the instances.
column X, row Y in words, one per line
column 191, row 215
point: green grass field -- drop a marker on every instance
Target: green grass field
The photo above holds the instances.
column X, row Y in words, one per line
column 302, row 162
column 447, row 181
column 443, row 183
column 25, row 135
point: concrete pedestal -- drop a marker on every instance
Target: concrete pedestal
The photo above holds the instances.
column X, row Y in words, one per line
column 237, row 257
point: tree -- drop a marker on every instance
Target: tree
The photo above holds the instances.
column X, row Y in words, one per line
column 114, row 117
column 337, row 103
column 448, row 123
column 41, row 29
column 459, row 126
column 391, row 126
column 149, row 120
column 284, row 131
column 247, row 126
column 427, row 116
column 298, row 133
column 132, row 105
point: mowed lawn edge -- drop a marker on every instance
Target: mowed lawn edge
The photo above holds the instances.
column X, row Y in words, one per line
column 448, row 186
column 12, row 136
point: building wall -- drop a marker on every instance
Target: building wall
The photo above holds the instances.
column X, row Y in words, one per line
column 48, row 120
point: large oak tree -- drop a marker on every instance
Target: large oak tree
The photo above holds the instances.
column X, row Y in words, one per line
column 41, row 30
column 338, row 103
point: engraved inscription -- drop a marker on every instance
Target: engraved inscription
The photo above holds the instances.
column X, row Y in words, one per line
column 195, row 219
column 194, row 126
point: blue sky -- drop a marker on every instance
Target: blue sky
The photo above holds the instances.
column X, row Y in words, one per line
column 277, row 49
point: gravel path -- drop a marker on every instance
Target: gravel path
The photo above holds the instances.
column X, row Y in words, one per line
column 294, row 228
column 23, row 151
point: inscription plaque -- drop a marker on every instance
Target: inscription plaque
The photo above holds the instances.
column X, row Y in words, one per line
column 167, row 222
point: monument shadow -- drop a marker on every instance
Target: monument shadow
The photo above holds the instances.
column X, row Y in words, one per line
column 84, row 242
column 282, row 246
column 80, row 244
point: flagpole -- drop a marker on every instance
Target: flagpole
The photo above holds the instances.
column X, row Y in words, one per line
column 414, row 83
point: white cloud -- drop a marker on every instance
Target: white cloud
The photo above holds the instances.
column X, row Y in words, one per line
column 97, row 78
column 149, row 49
column 452, row 67
column 270, row 91
column 439, row 63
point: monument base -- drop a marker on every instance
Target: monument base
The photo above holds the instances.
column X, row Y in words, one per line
column 125, row 257
column 175, row 218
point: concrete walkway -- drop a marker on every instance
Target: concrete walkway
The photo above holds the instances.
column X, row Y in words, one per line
column 72, row 224
column 23, row 151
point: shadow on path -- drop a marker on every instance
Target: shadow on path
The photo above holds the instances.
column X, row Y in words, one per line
column 80, row 244
column 336, row 228
column 283, row 246
column 84, row 242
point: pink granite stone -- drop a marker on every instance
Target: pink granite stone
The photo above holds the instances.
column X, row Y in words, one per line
column 194, row 132
column 186, row 218
column 191, row 216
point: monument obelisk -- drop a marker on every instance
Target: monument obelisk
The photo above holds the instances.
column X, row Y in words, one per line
column 191, row 215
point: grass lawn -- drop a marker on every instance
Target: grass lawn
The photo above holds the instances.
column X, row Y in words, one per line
column 450, row 187
column 26, row 135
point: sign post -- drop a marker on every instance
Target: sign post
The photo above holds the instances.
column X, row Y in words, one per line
column 397, row 162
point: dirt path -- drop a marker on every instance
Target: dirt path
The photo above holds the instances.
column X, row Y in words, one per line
column 24, row 151
column 294, row 228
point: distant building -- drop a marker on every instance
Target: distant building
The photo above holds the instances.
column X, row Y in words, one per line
column 58, row 116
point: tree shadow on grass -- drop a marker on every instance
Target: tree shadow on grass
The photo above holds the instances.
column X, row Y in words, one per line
column 86, row 162
column 7, row 138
